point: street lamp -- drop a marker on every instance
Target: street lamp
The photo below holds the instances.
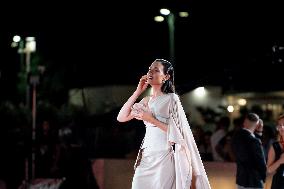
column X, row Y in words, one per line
column 170, row 17
column 27, row 47
column 16, row 39
column 165, row 12
column 171, row 24
column 33, row 79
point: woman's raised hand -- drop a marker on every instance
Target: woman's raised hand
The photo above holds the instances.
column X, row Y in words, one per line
column 142, row 85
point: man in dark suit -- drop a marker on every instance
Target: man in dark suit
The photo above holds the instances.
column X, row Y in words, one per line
column 250, row 159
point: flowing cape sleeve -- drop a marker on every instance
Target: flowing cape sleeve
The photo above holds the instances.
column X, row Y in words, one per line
column 190, row 172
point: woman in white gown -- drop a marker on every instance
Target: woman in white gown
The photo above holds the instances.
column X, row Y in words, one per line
column 168, row 157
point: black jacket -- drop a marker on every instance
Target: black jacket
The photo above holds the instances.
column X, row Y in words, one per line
column 250, row 159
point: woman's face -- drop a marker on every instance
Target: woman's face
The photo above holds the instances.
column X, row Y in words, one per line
column 156, row 74
column 280, row 127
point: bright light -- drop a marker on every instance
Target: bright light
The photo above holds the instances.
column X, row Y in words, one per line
column 159, row 18
column 30, row 38
column 30, row 44
column 242, row 102
column 230, row 108
column 200, row 92
column 165, row 12
column 16, row 38
column 183, row 14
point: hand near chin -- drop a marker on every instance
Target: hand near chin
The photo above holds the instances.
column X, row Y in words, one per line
column 143, row 84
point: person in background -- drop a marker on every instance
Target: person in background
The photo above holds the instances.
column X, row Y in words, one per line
column 265, row 134
column 47, row 149
column 275, row 162
column 205, row 147
column 221, row 130
column 259, row 129
column 250, row 159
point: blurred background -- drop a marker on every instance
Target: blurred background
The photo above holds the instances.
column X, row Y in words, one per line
column 66, row 70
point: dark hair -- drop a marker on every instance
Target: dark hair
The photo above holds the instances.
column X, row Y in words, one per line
column 280, row 117
column 168, row 86
column 252, row 117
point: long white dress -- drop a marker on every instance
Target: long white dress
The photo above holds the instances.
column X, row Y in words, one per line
column 158, row 166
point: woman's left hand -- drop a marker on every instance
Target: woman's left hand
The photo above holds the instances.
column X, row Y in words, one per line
column 141, row 114
column 145, row 116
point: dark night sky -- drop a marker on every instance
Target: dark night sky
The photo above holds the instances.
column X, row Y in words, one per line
column 220, row 42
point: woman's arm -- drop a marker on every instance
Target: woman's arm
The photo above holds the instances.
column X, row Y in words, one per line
column 273, row 165
column 124, row 113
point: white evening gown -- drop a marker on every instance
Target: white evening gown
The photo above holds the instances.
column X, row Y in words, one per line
column 157, row 165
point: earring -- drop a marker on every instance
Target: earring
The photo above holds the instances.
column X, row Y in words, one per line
column 163, row 81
